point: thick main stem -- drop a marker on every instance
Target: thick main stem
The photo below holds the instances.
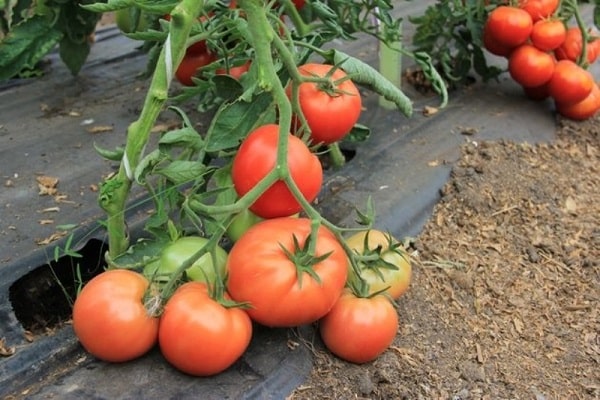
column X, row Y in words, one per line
column 116, row 191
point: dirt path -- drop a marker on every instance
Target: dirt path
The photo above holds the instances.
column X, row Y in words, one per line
column 504, row 301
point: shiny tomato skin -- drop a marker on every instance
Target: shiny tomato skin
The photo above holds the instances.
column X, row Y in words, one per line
column 548, row 34
column 260, row 273
column 235, row 72
column 494, row 47
column 530, row 66
column 176, row 253
column 509, row 26
column 539, row 9
column 330, row 113
column 359, row 329
column 394, row 281
column 570, row 83
column 257, row 156
column 198, row 335
column 109, row 317
column 189, row 66
column 572, row 47
column 584, row 109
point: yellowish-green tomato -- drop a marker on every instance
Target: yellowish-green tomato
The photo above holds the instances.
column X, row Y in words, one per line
column 126, row 19
column 392, row 270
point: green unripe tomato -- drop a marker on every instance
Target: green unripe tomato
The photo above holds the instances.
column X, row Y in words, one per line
column 126, row 19
column 177, row 252
column 241, row 223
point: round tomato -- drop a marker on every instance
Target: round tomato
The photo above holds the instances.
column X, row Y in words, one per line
column 509, row 26
column 190, row 65
column 284, row 285
column 130, row 20
column 177, row 252
column 359, row 329
column 257, row 156
column 585, row 109
column 241, row 223
column 235, row 72
column 494, row 47
column 391, row 271
column 539, row 9
column 530, row 66
column 572, row 47
column 570, row 83
column 200, row 336
column 548, row 34
column 330, row 109
column 110, row 319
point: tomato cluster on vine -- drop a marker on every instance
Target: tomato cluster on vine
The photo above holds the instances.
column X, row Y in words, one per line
column 545, row 55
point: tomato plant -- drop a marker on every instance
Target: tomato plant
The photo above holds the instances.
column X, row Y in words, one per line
column 359, row 329
column 509, row 26
column 179, row 251
column 110, row 318
column 257, row 157
column 584, row 109
column 388, row 265
column 331, row 109
column 200, row 336
column 271, row 268
column 570, row 83
column 530, row 66
column 548, row 34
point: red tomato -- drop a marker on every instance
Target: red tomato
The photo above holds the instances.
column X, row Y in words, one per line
column 257, row 156
column 391, row 271
column 109, row 317
column 537, row 93
column 190, row 65
column 198, row 335
column 283, row 285
column 359, row 329
column 585, row 109
column 539, row 9
column 570, row 83
column 509, row 26
column 548, row 34
column 235, row 72
column 494, row 47
column 331, row 110
column 529, row 66
column 299, row 3
column 573, row 46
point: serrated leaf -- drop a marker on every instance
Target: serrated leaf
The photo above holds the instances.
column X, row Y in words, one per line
column 233, row 122
column 110, row 5
column 363, row 73
column 27, row 43
column 185, row 137
column 182, row 171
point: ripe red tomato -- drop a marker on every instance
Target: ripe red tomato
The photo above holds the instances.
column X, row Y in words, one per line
column 330, row 110
column 573, row 46
column 359, row 329
column 110, row 319
column 494, row 47
column 198, row 335
column 570, row 83
column 530, row 66
column 509, row 26
column 392, row 272
column 539, row 9
column 585, row 109
column 235, row 72
column 190, row 65
column 257, row 156
column 283, row 288
column 548, row 34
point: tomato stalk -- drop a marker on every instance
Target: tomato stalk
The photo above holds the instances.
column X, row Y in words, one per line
column 115, row 190
column 585, row 36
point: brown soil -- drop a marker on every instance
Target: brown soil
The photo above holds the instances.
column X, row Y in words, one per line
column 506, row 284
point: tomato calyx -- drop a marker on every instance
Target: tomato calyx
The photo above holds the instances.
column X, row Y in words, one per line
column 303, row 257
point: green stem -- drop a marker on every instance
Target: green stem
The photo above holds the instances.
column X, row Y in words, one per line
column 583, row 58
column 115, row 192
column 337, row 157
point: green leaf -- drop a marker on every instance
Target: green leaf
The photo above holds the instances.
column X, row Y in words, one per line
column 181, row 171
column 358, row 134
column 74, row 54
column 110, row 5
column 146, row 165
column 363, row 73
column 184, row 137
column 112, row 155
column 233, row 121
column 27, row 43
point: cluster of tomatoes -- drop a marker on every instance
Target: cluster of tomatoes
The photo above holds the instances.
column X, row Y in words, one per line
column 281, row 271
column 545, row 56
